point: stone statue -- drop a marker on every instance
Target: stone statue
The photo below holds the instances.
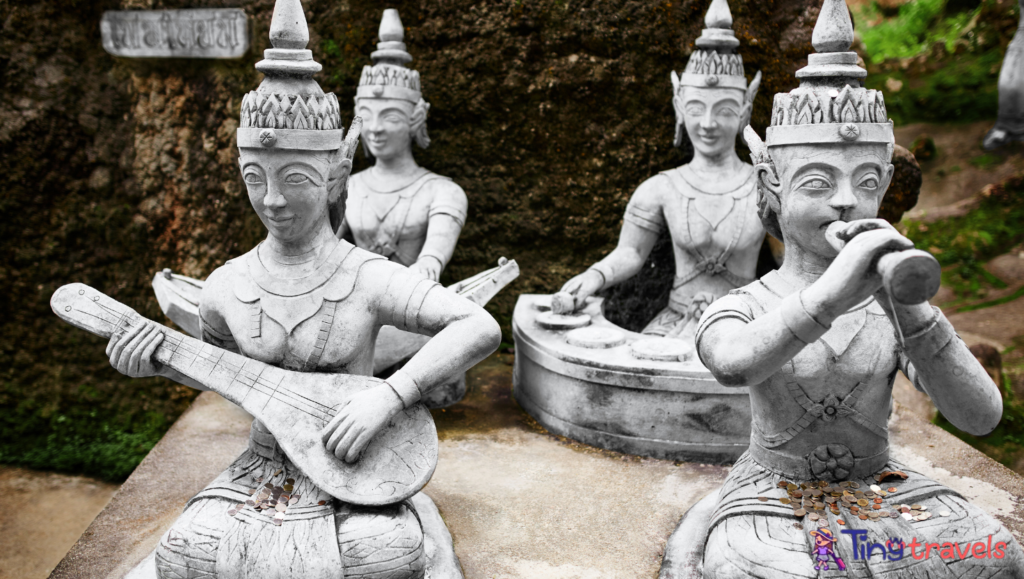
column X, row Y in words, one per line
column 284, row 327
column 1010, row 122
column 818, row 343
column 707, row 205
column 396, row 208
column 582, row 376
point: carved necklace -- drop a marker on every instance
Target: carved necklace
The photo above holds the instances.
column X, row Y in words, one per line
column 420, row 171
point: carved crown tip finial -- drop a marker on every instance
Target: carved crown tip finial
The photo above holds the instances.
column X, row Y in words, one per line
column 391, row 29
column 834, row 30
column 718, row 15
column 288, row 25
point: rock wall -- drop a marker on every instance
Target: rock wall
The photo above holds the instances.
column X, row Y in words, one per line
column 547, row 112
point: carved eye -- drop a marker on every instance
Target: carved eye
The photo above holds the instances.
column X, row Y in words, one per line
column 869, row 182
column 253, row 178
column 695, row 110
column 296, row 179
column 816, row 183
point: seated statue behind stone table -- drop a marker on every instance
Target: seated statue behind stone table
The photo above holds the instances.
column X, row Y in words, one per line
column 707, row 205
column 308, row 302
column 818, row 343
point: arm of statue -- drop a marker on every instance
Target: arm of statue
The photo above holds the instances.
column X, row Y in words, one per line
column 132, row 354
column 446, row 217
column 643, row 223
column 442, row 235
column 741, row 353
column 463, row 334
column 938, row 361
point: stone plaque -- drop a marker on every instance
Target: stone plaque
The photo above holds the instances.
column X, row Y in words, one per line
column 195, row 33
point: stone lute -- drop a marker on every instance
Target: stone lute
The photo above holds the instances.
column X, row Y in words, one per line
column 294, row 406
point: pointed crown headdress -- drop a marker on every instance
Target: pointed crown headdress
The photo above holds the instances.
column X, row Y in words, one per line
column 714, row 63
column 389, row 78
column 289, row 110
column 831, row 104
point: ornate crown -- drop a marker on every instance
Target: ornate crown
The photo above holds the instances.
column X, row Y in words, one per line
column 289, row 110
column 830, row 105
column 714, row 64
column 389, row 78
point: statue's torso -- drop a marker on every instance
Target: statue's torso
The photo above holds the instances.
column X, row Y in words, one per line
column 836, row 391
column 316, row 323
column 394, row 223
column 716, row 233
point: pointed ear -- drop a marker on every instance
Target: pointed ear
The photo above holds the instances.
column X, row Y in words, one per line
column 418, row 123
column 754, row 86
column 677, row 104
column 770, row 184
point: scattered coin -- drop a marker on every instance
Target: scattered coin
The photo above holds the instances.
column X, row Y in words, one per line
column 251, row 503
column 854, row 484
column 290, row 481
column 882, row 494
column 763, row 499
column 923, row 517
column 876, row 507
column 785, row 500
column 862, row 502
column 791, row 487
column 917, row 507
column 277, row 522
column 296, row 497
column 892, row 489
column 862, row 517
column 945, row 513
column 840, row 521
column 293, row 501
column 854, row 509
column 288, row 488
column 252, row 491
column 907, row 516
column 281, row 507
column 874, row 516
column 922, row 508
column 232, row 512
column 279, row 471
column 322, row 503
column 813, row 516
column 878, row 501
column 895, row 514
column 904, row 509
column 800, row 512
column 859, row 494
column 844, row 484
column 875, row 488
column 797, row 494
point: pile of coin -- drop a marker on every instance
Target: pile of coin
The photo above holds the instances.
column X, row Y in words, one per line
column 270, row 500
column 815, row 499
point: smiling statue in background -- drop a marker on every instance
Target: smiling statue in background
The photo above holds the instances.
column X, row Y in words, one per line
column 707, row 205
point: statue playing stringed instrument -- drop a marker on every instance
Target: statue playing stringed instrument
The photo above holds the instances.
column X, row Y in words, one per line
column 328, row 486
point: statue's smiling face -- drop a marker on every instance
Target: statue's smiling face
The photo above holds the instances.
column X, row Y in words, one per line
column 820, row 184
column 287, row 188
column 387, row 126
column 712, row 116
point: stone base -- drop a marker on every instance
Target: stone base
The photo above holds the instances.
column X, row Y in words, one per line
column 607, row 397
column 442, row 562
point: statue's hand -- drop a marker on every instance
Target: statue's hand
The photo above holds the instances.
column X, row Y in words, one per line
column 359, row 420
column 583, row 286
column 428, row 267
column 853, row 277
column 132, row 353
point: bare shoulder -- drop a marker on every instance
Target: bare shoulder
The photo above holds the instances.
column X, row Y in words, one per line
column 652, row 191
column 220, row 286
column 445, row 191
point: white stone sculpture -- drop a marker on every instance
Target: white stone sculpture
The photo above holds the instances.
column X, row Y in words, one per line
column 818, row 344
column 328, row 487
column 1010, row 123
column 580, row 375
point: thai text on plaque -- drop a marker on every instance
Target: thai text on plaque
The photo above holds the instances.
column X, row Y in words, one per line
column 193, row 33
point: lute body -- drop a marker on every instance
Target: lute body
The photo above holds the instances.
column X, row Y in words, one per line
column 294, row 406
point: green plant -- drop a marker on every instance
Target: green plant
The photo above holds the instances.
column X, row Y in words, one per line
column 985, row 161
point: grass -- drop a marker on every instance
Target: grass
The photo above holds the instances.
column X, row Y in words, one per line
column 946, row 61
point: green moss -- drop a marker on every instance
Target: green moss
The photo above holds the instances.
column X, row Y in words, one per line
column 919, row 25
column 963, row 244
column 985, row 161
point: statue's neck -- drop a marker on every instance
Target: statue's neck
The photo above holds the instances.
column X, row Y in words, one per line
column 394, row 173
column 728, row 162
column 802, row 267
column 298, row 257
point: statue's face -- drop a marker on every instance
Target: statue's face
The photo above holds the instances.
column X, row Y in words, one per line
column 287, row 188
column 713, row 117
column 387, row 126
column 823, row 183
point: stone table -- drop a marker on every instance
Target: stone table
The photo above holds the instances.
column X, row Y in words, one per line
column 521, row 503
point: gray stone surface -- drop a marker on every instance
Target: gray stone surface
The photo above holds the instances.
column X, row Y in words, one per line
column 192, row 33
column 519, row 502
